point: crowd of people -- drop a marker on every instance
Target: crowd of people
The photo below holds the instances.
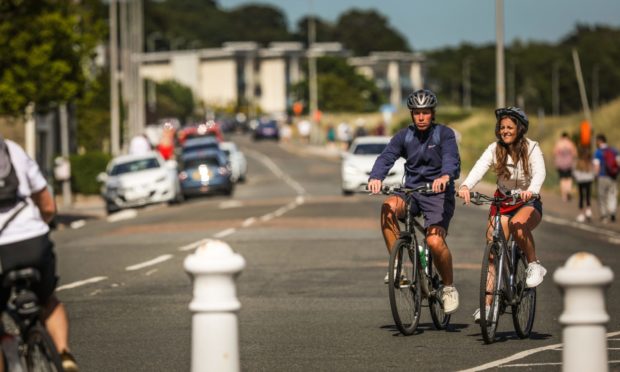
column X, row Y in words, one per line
column 588, row 167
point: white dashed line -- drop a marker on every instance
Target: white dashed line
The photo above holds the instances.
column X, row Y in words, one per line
column 193, row 245
column 248, row 222
column 77, row 224
column 224, row 233
column 81, row 283
column 152, row 262
column 126, row 214
column 266, row 217
column 521, row 355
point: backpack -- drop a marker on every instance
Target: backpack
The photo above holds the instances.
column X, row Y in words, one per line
column 611, row 164
column 9, row 183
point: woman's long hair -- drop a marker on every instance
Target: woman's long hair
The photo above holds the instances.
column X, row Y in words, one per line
column 518, row 150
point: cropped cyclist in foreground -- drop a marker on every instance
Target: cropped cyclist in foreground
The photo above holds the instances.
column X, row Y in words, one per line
column 24, row 241
column 432, row 157
column 520, row 168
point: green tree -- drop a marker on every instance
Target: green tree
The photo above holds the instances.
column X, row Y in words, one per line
column 365, row 31
column 174, row 100
column 260, row 23
column 44, row 48
column 341, row 88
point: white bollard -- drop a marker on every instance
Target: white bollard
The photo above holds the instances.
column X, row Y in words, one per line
column 215, row 334
column 584, row 280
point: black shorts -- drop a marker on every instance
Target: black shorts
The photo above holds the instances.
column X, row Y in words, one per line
column 36, row 252
column 536, row 203
column 565, row 173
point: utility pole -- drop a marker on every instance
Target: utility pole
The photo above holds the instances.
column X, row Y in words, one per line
column 312, row 84
column 114, row 96
column 555, row 88
column 595, row 86
column 582, row 88
column 500, row 86
column 467, row 83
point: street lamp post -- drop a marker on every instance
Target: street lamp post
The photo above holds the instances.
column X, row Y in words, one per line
column 500, row 86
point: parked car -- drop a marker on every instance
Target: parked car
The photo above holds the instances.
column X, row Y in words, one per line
column 357, row 163
column 236, row 158
column 205, row 172
column 267, row 130
column 138, row 180
column 200, row 144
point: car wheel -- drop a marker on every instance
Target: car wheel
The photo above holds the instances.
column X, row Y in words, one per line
column 347, row 192
column 111, row 208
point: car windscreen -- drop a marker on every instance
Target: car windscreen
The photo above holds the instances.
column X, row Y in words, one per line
column 195, row 163
column 134, row 166
column 369, row 148
column 201, row 146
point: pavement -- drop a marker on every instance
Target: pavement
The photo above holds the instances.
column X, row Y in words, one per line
column 87, row 207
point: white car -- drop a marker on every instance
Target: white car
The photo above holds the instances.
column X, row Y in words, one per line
column 358, row 161
column 137, row 180
column 238, row 163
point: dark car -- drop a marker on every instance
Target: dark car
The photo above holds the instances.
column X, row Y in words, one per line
column 200, row 144
column 205, row 172
column 267, row 129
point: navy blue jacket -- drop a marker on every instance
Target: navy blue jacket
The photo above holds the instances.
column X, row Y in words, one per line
column 426, row 160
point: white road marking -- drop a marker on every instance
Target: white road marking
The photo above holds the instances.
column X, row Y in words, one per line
column 611, row 236
column 224, row 233
column 192, row 246
column 230, row 204
column 530, row 365
column 152, row 271
column 521, row 355
column 277, row 171
column 248, row 222
column 77, row 224
column 266, row 217
column 152, row 262
column 126, row 214
column 80, row 283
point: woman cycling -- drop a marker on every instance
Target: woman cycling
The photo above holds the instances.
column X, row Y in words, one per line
column 520, row 168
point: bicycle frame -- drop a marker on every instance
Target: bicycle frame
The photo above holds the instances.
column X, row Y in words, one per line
column 506, row 262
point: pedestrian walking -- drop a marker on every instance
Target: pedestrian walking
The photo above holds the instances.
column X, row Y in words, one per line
column 564, row 155
column 584, row 177
column 606, row 168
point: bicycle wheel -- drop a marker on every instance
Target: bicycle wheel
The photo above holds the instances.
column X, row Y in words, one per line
column 491, row 297
column 440, row 318
column 404, row 287
column 40, row 352
column 524, row 311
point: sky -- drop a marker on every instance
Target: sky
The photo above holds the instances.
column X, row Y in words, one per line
column 435, row 24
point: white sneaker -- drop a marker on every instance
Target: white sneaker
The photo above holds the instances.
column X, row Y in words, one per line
column 535, row 274
column 477, row 314
column 386, row 280
column 450, row 298
column 581, row 217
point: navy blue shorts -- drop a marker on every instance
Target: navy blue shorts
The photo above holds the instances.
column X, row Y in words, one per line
column 437, row 209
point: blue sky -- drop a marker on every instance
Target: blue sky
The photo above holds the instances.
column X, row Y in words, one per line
column 433, row 24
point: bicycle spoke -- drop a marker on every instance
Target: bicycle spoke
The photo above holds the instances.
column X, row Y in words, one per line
column 404, row 288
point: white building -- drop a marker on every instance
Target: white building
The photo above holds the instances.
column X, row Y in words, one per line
column 243, row 73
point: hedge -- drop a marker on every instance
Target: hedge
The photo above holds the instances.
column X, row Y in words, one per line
column 84, row 171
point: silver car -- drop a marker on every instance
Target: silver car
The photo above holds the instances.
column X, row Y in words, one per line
column 236, row 158
column 137, row 180
column 357, row 163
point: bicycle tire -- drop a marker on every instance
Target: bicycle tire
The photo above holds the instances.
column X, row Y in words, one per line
column 439, row 317
column 40, row 353
column 405, row 294
column 524, row 312
column 489, row 322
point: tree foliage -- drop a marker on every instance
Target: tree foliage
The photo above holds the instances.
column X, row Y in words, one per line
column 365, row 31
column 174, row 100
column 44, row 47
column 340, row 88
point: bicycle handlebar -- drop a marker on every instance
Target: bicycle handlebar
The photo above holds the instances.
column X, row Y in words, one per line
column 479, row 199
column 426, row 189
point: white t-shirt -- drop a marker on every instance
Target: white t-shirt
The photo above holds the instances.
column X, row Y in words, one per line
column 28, row 223
column 517, row 181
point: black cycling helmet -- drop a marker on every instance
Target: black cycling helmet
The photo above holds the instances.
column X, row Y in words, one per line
column 513, row 112
column 422, row 98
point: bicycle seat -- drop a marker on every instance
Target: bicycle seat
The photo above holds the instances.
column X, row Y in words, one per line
column 14, row 276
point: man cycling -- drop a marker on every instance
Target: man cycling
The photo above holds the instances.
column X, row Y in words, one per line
column 24, row 240
column 432, row 156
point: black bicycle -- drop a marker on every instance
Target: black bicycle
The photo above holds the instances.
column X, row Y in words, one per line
column 503, row 275
column 412, row 277
column 26, row 344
